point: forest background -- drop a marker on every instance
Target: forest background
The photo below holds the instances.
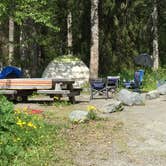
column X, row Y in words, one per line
column 34, row 32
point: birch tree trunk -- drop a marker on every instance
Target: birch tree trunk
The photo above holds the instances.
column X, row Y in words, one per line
column 22, row 45
column 11, row 40
column 69, row 33
column 94, row 51
column 155, row 36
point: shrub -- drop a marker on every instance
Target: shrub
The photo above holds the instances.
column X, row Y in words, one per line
column 152, row 78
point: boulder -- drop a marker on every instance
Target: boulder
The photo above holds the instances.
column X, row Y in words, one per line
column 78, row 116
column 162, row 89
column 130, row 98
column 68, row 67
column 152, row 95
column 115, row 106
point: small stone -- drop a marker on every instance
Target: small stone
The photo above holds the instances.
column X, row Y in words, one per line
column 152, row 95
column 113, row 107
column 78, row 116
column 162, row 89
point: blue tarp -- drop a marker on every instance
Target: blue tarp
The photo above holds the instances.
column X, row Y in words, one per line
column 10, row 72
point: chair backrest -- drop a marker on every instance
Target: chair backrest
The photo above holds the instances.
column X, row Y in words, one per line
column 138, row 77
column 98, row 83
column 113, row 81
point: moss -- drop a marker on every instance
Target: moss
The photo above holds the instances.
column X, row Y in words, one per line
column 66, row 58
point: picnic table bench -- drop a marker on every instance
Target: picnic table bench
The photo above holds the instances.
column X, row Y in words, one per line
column 24, row 87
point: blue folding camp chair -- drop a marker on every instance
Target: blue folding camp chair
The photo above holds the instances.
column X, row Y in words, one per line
column 98, row 87
column 137, row 82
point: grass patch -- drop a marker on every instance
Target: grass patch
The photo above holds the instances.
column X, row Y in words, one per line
column 50, row 152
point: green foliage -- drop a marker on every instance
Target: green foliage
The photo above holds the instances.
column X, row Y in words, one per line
column 61, row 103
column 127, row 75
column 39, row 11
column 150, row 81
column 92, row 115
column 151, row 78
column 26, row 139
column 125, row 36
column 19, row 131
column 66, row 58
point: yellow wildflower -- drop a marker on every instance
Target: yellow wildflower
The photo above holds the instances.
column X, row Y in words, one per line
column 17, row 111
column 25, row 109
column 91, row 108
column 30, row 124
column 20, row 122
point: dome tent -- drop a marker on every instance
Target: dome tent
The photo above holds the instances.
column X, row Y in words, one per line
column 67, row 67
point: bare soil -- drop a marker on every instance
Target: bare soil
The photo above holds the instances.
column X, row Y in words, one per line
column 133, row 137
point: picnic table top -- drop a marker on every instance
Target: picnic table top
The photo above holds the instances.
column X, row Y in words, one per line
column 32, row 83
column 55, row 79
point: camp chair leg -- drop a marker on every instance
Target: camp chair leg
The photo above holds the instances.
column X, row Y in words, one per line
column 107, row 91
column 91, row 94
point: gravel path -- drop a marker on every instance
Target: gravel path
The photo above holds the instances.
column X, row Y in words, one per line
column 140, row 141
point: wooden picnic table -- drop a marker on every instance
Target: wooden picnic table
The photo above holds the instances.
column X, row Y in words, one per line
column 27, row 86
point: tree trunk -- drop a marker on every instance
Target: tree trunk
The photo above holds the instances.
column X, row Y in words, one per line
column 11, row 40
column 155, row 36
column 69, row 33
column 22, row 45
column 4, row 50
column 34, row 53
column 94, row 51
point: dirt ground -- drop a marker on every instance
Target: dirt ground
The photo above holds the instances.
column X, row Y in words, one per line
column 137, row 139
column 133, row 137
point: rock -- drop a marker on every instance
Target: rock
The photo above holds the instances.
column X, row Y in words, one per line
column 112, row 107
column 78, row 116
column 130, row 98
column 68, row 67
column 162, row 89
column 152, row 95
